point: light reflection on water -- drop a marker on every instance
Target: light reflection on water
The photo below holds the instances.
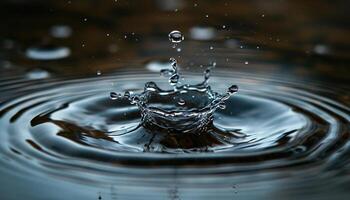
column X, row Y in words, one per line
column 289, row 59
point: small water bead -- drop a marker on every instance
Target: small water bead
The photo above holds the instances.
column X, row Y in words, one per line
column 232, row 89
column 113, row 95
column 98, row 73
column 176, row 36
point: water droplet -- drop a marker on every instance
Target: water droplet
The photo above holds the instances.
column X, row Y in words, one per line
column 178, row 49
column 211, row 47
column 113, row 95
column 98, row 73
column 232, row 89
column 246, row 62
column 48, row 52
column 176, row 36
column 181, row 102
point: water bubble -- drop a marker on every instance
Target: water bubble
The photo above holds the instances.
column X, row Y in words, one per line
column 113, row 95
column 176, row 36
column 48, row 52
column 232, row 89
column 181, row 102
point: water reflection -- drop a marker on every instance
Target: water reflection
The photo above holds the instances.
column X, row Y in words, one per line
column 290, row 57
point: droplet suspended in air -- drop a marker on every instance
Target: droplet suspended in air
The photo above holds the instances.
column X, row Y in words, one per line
column 176, row 36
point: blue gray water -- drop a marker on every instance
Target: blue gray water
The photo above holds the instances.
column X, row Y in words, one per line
column 283, row 135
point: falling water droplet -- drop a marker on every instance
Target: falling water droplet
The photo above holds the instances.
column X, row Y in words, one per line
column 176, row 36
column 98, row 73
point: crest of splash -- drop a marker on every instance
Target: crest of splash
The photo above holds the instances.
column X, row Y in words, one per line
column 185, row 108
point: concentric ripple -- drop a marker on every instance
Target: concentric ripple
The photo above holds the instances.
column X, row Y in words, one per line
column 271, row 130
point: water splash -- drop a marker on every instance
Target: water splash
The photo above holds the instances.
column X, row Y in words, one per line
column 185, row 108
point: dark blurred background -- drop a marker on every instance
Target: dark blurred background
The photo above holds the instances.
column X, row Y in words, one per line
column 306, row 39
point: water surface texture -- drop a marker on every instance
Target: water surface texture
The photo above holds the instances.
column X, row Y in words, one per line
column 66, row 133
